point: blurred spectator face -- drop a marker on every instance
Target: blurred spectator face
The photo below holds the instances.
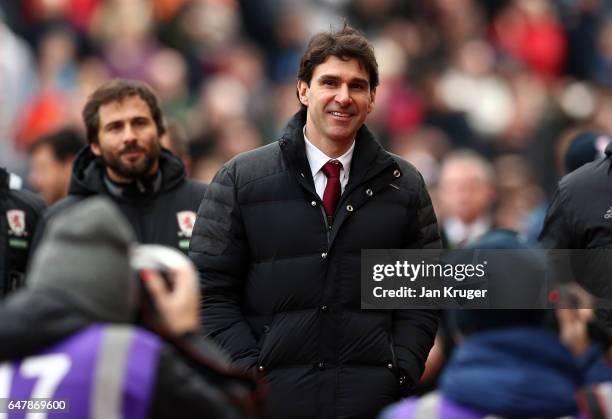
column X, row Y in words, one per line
column 222, row 100
column 338, row 100
column 239, row 136
column 245, row 63
column 466, row 190
column 211, row 24
column 56, row 52
column 48, row 175
column 175, row 140
column 518, row 194
column 167, row 71
column 128, row 140
column 124, row 23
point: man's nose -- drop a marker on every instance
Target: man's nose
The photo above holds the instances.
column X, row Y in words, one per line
column 129, row 134
column 343, row 96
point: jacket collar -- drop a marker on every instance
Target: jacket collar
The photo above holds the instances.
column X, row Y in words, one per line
column 138, row 189
column 369, row 158
column 88, row 174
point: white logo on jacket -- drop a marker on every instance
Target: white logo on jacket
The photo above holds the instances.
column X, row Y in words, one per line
column 186, row 221
column 16, row 222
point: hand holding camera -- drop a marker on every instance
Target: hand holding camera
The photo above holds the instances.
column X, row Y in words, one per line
column 170, row 283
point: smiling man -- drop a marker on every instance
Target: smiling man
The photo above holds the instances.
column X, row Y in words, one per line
column 125, row 161
column 278, row 243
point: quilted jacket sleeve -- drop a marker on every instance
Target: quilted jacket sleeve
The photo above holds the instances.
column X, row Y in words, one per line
column 220, row 252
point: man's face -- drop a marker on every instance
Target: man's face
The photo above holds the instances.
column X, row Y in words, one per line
column 49, row 176
column 128, row 141
column 464, row 191
column 338, row 100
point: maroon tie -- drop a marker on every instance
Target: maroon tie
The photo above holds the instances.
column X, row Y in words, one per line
column 331, row 195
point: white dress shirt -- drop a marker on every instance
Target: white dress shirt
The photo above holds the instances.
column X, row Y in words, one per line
column 460, row 234
column 317, row 159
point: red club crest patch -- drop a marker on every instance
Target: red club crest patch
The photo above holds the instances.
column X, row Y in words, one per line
column 16, row 222
column 186, row 221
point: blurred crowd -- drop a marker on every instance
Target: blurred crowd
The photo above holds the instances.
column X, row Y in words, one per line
column 510, row 80
column 492, row 100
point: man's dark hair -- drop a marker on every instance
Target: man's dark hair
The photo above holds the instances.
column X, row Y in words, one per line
column 347, row 43
column 64, row 144
column 117, row 90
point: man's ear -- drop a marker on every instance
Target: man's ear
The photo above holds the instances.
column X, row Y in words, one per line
column 302, row 88
column 95, row 149
column 372, row 100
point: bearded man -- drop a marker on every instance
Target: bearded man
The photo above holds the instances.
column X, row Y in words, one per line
column 126, row 162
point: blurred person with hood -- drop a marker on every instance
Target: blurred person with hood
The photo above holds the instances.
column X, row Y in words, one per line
column 126, row 162
column 83, row 301
column 20, row 213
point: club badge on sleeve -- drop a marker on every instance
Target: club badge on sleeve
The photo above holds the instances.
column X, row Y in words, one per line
column 186, row 221
column 16, row 222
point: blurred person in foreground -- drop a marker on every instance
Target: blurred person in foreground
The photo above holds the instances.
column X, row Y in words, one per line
column 51, row 160
column 20, row 213
column 278, row 244
column 508, row 363
column 466, row 192
column 126, row 162
column 74, row 329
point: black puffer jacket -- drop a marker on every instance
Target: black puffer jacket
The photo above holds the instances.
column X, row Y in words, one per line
column 20, row 212
column 580, row 214
column 281, row 291
column 152, row 211
column 580, row 217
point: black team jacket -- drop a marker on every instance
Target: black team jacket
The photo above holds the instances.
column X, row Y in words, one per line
column 157, row 208
column 580, row 213
column 20, row 212
column 580, row 217
column 281, row 287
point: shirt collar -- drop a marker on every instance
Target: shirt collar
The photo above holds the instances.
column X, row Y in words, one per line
column 317, row 159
